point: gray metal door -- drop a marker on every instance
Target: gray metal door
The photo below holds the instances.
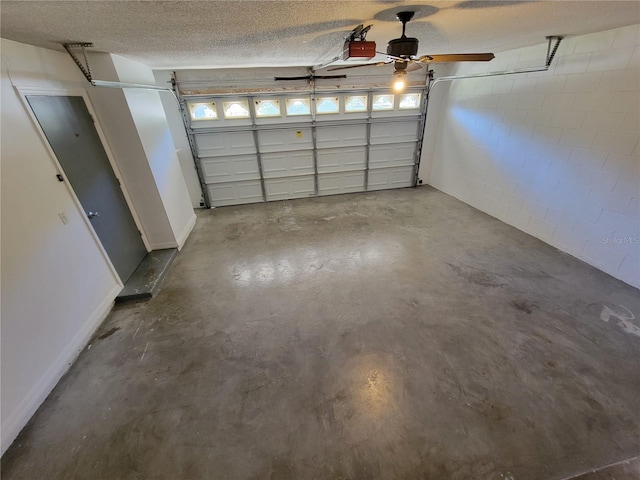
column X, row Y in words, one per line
column 68, row 126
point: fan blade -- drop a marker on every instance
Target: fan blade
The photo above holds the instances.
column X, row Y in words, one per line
column 456, row 57
column 401, row 59
column 413, row 66
column 376, row 64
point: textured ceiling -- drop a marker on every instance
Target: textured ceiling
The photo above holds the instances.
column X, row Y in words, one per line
column 244, row 33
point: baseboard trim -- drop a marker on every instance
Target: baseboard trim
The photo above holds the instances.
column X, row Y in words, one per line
column 41, row 390
column 187, row 231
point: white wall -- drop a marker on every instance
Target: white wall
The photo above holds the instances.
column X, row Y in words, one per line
column 148, row 115
column 116, row 120
column 150, row 120
column 56, row 284
column 183, row 149
column 147, row 159
column 554, row 154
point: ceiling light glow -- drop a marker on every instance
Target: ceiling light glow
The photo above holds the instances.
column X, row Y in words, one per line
column 399, row 74
column 398, row 84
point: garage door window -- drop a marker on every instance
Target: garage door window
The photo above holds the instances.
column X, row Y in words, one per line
column 382, row 102
column 298, row 106
column 409, row 101
column 326, row 105
column 203, row 111
column 355, row 104
column 267, row 108
column 237, row 109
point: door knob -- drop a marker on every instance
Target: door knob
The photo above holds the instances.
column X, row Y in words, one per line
column 93, row 214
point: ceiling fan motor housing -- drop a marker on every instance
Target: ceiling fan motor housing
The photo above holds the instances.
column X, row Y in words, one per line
column 403, row 47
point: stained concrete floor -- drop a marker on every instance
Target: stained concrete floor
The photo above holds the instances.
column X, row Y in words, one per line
column 627, row 469
column 395, row 335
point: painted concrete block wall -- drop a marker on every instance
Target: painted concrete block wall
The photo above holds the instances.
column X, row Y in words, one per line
column 555, row 154
column 149, row 117
column 56, row 285
column 183, row 150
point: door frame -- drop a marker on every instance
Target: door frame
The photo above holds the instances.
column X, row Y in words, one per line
column 23, row 92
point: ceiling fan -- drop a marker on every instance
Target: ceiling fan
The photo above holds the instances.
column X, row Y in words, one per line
column 402, row 53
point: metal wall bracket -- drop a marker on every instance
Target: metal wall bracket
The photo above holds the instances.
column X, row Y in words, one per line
column 86, row 70
column 551, row 51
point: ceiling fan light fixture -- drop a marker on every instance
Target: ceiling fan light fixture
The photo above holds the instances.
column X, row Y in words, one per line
column 403, row 47
column 402, row 52
column 398, row 80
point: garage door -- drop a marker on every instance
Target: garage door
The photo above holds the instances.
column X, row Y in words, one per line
column 263, row 147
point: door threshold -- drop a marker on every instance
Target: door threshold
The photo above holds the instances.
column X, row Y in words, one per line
column 147, row 278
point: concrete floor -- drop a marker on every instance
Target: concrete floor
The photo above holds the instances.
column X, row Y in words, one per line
column 628, row 469
column 395, row 335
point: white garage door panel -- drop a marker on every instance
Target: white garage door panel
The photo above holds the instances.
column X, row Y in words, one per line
column 386, row 178
column 293, row 187
column 394, row 132
column 235, row 193
column 400, row 154
column 271, row 158
column 341, row 159
column 285, row 140
column 347, row 136
column 287, row 163
column 340, row 183
column 228, row 169
column 225, row 144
